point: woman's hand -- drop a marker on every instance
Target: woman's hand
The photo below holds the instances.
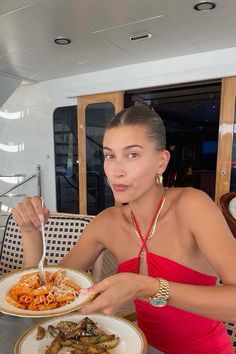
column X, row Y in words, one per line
column 115, row 291
column 29, row 214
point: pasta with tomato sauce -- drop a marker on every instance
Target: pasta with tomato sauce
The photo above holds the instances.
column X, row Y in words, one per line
column 30, row 294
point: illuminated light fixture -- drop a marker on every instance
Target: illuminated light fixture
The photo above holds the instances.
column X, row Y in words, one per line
column 62, row 40
column 140, row 36
column 11, row 115
column 205, row 6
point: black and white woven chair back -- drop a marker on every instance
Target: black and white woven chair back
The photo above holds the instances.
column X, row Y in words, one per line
column 62, row 232
column 231, row 329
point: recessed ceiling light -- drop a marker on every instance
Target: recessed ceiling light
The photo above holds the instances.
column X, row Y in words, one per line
column 62, row 40
column 140, row 36
column 205, row 6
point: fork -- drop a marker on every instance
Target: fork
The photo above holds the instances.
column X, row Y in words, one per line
column 41, row 262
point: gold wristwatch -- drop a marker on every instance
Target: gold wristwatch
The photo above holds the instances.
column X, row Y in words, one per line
column 161, row 298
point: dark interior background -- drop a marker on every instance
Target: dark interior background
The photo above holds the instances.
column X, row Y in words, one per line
column 191, row 117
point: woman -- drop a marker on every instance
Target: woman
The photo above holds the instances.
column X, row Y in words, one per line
column 169, row 245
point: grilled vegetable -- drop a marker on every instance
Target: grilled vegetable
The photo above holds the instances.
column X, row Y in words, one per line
column 81, row 348
column 54, row 347
column 53, row 331
column 84, row 337
column 40, row 333
column 109, row 344
column 67, row 326
column 97, row 339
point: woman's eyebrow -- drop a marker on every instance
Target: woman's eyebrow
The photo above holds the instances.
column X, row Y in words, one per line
column 125, row 148
column 132, row 146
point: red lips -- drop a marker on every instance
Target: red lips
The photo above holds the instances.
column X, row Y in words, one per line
column 119, row 187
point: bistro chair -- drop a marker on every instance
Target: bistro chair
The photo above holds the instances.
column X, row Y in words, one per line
column 231, row 329
column 62, row 232
column 224, row 204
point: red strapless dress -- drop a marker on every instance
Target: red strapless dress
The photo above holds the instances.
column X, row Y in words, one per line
column 171, row 330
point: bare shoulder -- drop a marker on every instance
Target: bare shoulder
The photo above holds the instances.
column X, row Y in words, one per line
column 98, row 231
column 107, row 214
column 106, row 218
column 189, row 197
column 193, row 204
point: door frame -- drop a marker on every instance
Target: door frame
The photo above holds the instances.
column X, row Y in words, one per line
column 225, row 137
column 117, row 99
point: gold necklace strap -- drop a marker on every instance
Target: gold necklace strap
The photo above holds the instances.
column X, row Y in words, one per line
column 156, row 219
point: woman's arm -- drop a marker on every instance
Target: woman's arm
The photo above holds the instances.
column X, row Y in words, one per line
column 88, row 247
column 28, row 215
column 217, row 302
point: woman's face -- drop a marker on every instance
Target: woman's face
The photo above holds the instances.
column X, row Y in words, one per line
column 131, row 162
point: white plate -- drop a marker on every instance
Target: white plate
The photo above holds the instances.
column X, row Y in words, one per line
column 80, row 278
column 132, row 339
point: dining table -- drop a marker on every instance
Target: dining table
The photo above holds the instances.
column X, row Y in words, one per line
column 12, row 327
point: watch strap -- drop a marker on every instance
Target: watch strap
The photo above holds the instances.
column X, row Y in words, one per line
column 162, row 296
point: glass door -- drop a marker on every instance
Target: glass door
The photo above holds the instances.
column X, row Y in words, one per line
column 94, row 112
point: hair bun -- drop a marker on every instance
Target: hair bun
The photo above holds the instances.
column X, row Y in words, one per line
column 142, row 104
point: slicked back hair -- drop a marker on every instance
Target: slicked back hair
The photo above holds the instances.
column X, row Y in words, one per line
column 143, row 117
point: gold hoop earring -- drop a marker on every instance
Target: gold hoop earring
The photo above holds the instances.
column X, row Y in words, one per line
column 108, row 182
column 159, row 179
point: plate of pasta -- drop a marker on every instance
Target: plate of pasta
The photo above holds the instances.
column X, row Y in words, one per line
column 76, row 333
column 23, row 294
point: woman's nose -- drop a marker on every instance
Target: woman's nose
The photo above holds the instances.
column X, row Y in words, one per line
column 119, row 169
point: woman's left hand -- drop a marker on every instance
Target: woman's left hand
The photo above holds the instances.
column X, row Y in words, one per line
column 114, row 292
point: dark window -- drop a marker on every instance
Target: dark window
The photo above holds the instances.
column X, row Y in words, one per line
column 66, row 156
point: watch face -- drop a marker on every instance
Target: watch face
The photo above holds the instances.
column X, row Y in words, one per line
column 158, row 302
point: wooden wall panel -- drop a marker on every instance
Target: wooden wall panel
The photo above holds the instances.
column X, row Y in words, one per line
column 225, row 140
